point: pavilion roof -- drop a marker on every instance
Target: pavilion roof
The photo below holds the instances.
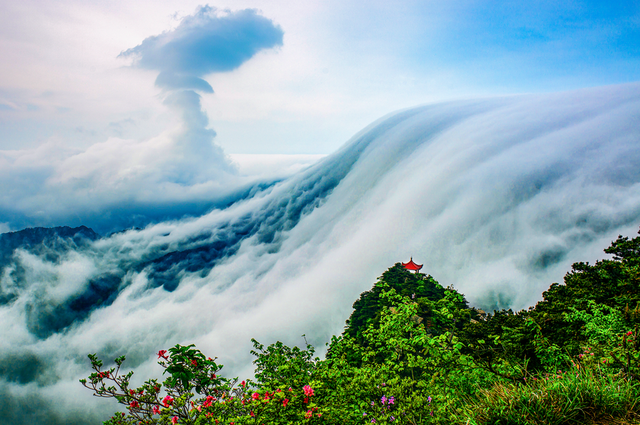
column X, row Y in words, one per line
column 412, row 266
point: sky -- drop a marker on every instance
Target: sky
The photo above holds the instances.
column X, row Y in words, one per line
column 116, row 114
column 331, row 67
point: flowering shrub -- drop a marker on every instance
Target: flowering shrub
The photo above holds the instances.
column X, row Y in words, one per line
column 196, row 393
column 413, row 353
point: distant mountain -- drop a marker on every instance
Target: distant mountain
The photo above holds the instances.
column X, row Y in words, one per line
column 46, row 243
column 43, row 239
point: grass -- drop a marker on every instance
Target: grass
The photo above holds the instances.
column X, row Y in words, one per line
column 576, row 397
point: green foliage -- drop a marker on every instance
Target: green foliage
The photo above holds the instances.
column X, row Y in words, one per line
column 416, row 286
column 579, row 395
column 412, row 352
column 195, row 394
column 279, row 365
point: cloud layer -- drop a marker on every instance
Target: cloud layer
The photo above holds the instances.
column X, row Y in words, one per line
column 206, row 42
column 122, row 183
column 495, row 196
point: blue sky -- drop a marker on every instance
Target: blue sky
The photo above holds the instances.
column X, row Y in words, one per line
column 339, row 66
column 105, row 105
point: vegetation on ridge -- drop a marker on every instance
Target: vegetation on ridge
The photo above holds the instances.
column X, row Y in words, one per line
column 413, row 352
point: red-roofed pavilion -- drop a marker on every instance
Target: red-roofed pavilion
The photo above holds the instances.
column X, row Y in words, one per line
column 411, row 266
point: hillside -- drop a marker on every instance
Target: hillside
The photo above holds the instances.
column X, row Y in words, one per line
column 414, row 352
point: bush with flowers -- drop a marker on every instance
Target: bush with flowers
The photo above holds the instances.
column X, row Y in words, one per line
column 414, row 353
column 195, row 393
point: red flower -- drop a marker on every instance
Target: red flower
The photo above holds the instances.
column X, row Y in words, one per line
column 209, row 401
column 308, row 391
column 134, row 404
column 306, row 399
column 156, row 410
column 242, row 383
column 194, row 362
column 284, row 402
column 163, row 354
column 255, row 396
column 167, row 401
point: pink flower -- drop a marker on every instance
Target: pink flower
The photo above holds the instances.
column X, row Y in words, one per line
column 308, row 391
column 284, row 402
column 163, row 354
column 167, row 401
column 308, row 414
column 242, row 383
column 156, row 410
column 174, row 420
column 255, row 396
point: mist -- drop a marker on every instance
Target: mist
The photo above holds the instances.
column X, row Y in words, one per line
column 496, row 196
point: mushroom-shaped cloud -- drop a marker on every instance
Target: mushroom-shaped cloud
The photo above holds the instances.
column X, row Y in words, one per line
column 208, row 41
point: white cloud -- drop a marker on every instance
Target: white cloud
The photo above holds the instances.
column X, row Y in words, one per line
column 497, row 197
